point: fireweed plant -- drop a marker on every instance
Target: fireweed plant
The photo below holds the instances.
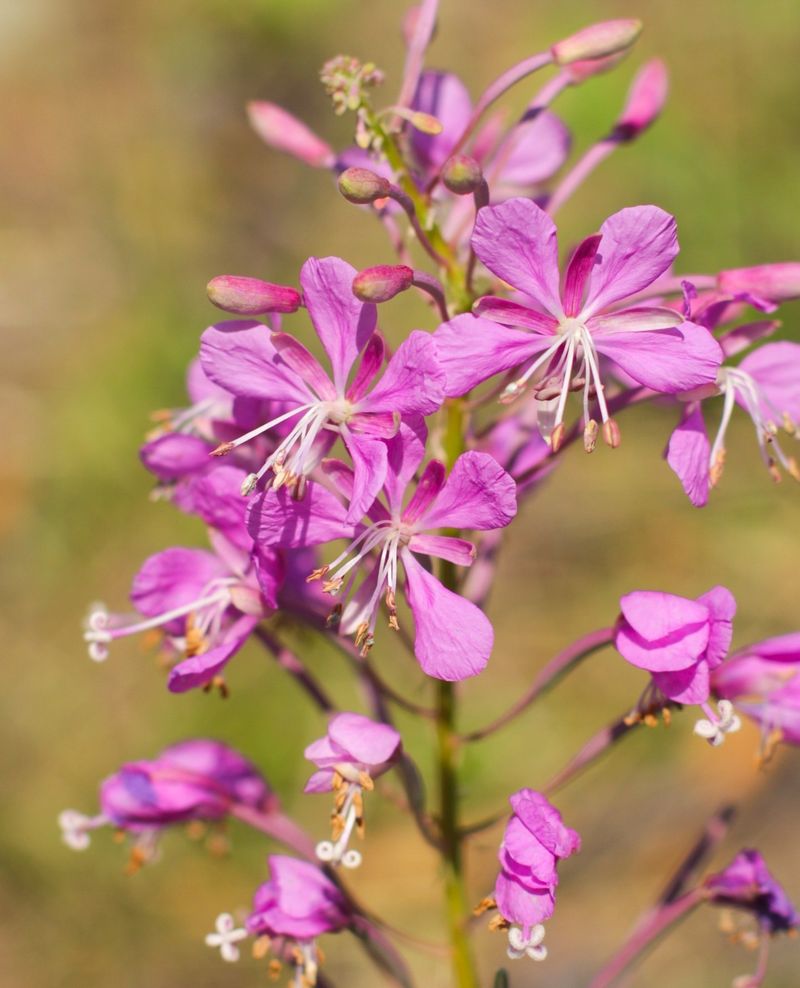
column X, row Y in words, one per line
column 366, row 494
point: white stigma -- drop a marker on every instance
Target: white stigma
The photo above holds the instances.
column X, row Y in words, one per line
column 75, row 828
column 715, row 729
column 338, row 852
column 519, row 946
column 226, row 936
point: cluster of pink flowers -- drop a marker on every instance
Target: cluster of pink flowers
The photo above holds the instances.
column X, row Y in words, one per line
column 284, row 455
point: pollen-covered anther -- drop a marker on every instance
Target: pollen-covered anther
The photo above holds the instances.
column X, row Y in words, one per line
column 717, row 466
column 498, row 922
column 484, row 906
column 334, row 618
column 333, row 586
column 275, row 968
column 716, row 727
column 557, row 437
column 611, row 433
column 317, row 574
column 365, row 781
column 511, row 392
column 223, row 449
column 249, row 484
column 261, row 946
column 520, row 945
column 590, row 433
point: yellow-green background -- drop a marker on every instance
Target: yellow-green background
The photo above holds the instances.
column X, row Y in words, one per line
column 129, row 178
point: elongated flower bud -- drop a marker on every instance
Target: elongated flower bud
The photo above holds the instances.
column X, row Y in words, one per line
column 382, row 282
column 284, row 132
column 596, row 41
column 775, row 282
column 646, row 99
column 251, row 296
column 588, row 67
column 361, row 186
column 462, row 174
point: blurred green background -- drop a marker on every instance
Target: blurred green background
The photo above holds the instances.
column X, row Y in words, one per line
column 130, row 177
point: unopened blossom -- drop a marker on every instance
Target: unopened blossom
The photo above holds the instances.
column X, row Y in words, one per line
column 205, row 603
column 354, row 751
column 244, row 358
column 766, row 384
column 199, row 779
column 771, row 283
column 297, row 905
column 763, row 680
column 555, row 338
column 534, row 842
column 748, row 884
column 680, row 642
column 453, row 637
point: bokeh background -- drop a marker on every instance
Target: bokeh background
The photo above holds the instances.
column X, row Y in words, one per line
column 130, row 177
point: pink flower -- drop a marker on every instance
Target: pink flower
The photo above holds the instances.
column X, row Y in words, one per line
column 748, row 884
column 559, row 335
column 680, row 641
column 453, row 637
column 352, row 754
column 245, row 359
column 766, row 384
column 297, row 904
column 535, row 841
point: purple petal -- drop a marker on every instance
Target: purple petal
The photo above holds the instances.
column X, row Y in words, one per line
column 426, row 491
column 454, row 638
column 413, row 381
column 636, row 320
column 578, row 271
column 369, row 473
column 175, row 455
column 472, row 350
column 201, row 669
column 457, row 551
column 520, row 905
column 406, row 453
column 371, row 362
column 216, row 497
column 478, row 494
column 445, row 97
column 517, row 241
column 688, row 454
column 520, row 847
column 342, row 322
column 685, row 685
column 533, row 151
column 662, row 632
column 321, row 781
column 276, row 518
column 374, row 425
column 669, row 361
column 638, row 245
column 776, row 369
column 544, row 821
column 510, row 313
column 270, row 574
column 783, row 648
column 239, row 356
column 368, row 742
column 722, row 607
column 174, row 578
column 304, row 364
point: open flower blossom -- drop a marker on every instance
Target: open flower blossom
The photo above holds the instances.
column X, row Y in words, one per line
column 764, row 681
column 297, row 905
column 352, row 754
column 199, row 779
column 245, row 359
column 206, row 604
column 766, row 384
column 454, row 638
column 556, row 336
column 680, row 642
column 748, row 884
column 535, row 840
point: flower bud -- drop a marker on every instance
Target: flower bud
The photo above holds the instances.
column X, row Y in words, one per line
column 775, row 282
column 361, row 186
column 646, row 99
column 588, row 67
column 284, row 132
column 382, row 282
column 596, row 41
column 462, row 174
column 251, row 296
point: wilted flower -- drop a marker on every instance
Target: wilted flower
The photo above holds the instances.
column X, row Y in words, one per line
column 748, row 884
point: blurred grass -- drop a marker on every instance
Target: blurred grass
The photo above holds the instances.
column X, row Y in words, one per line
column 130, row 178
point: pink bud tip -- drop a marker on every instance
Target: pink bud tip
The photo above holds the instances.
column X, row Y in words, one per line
column 646, row 99
column 586, row 68
column 462, row 174
column 361, row 186
column 597, row 41
column 284, row 132
column 251, row 296
column 383, row 282
column 774, row 282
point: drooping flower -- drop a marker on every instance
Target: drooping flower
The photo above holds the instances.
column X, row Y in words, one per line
column 352, row 754
column 557, row 337
column 680, row 642
column 206, row 604
column 763, row 680
column 766, row 384
column 297, row 905
column 245, row 359
column 535, row 840
column 199, row 779
column 453, row 637
column 748, row 884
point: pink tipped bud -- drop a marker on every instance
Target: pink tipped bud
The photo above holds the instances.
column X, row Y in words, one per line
column 382, row 282
column 646, row 99
column 774, row 282
column 278, row 128
column 586, row 68
column 251, row 296
column 361, row 186
column 462, row 174
column 597, row 41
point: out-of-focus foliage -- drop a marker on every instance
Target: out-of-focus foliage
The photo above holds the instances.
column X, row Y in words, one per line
column 129, row 177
